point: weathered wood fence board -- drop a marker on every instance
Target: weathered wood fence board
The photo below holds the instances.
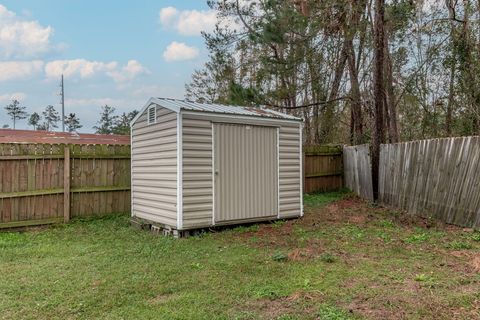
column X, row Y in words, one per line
column 437, row 178
column 323, row 168
column 358, row 170
column 45, row 183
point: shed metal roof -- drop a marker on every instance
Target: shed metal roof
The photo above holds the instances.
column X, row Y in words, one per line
column 177, row 105
column 37, row 136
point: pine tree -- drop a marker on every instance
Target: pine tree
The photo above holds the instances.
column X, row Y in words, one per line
column 107, row 120
column 122, row 125
column 51, row 118
column 16, row 111
column 34, row 120
column 72, row 122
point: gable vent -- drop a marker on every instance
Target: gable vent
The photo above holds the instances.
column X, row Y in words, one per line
column 152, row 115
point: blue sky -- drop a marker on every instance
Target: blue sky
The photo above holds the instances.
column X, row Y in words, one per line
column 111, row 52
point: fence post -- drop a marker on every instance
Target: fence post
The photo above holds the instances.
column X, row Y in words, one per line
column 66, row 185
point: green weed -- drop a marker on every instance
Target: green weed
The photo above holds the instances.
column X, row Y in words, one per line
column 279, row 257
column 327, row 257
column 386, row 237
column 329, row 312
column 475, row 236
column 353, row 232
column 278, row 223
column 266, row 292
column 386, row 223
column 417, row 238
column 459, row 245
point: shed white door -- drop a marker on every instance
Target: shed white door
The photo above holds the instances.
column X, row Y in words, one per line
column 245, row 172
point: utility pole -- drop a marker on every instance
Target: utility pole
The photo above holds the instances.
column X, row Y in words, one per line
column 62, row 94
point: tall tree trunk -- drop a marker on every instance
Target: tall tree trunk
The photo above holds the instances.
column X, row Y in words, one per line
column 356, row 99
column 328, row 121
column 468, row 70
column 450, row 102
column 352, row 128
column 451, row 87
column 378, row 91
column 390, row 106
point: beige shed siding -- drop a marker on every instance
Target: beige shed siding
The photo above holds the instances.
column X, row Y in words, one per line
column 290, row 174
column 154, row 168
column 197, row 166
column 197, row 172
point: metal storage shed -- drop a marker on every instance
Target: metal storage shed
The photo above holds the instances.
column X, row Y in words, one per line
column 197, row 165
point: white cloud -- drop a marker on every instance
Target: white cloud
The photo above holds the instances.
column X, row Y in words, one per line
column 178, row 51
column 85, row 69
column 192, row 22
column 131, row 70
column 20, row 38
column 20, row 96
column 12, row 70
column 77, row 67
column 188, row 22
column 168, row 15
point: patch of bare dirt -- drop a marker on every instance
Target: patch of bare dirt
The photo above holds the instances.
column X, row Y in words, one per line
column 404, row 302
column 351, row 211
column 299, row 302
column 370, row 310
column 475, row 263
column 161, row 299
column 466, row 261
column 302, row 254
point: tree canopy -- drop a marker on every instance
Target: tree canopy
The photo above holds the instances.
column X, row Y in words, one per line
column 72, row 122
column 16, row 111
column 355, row 71
column 50, row 118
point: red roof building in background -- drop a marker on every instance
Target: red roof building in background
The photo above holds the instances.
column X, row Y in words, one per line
column 37, row 136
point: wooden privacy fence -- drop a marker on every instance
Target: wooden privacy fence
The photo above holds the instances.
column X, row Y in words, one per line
column 437, row 178
column 323, row 168
column 48, row 183
column 358, row 170
column 433, row 178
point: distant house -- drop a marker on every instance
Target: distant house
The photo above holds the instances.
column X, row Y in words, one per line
column 37, row 136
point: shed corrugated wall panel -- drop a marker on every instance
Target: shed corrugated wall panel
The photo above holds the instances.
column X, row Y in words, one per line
column 197, row 172
column 154, row 168
column 197, row 212
column 290, row 173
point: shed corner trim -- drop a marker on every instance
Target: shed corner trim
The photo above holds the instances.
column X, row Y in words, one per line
column 301, row 168
column 179, row 172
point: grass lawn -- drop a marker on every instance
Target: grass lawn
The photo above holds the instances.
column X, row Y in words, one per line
column 344, row 260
